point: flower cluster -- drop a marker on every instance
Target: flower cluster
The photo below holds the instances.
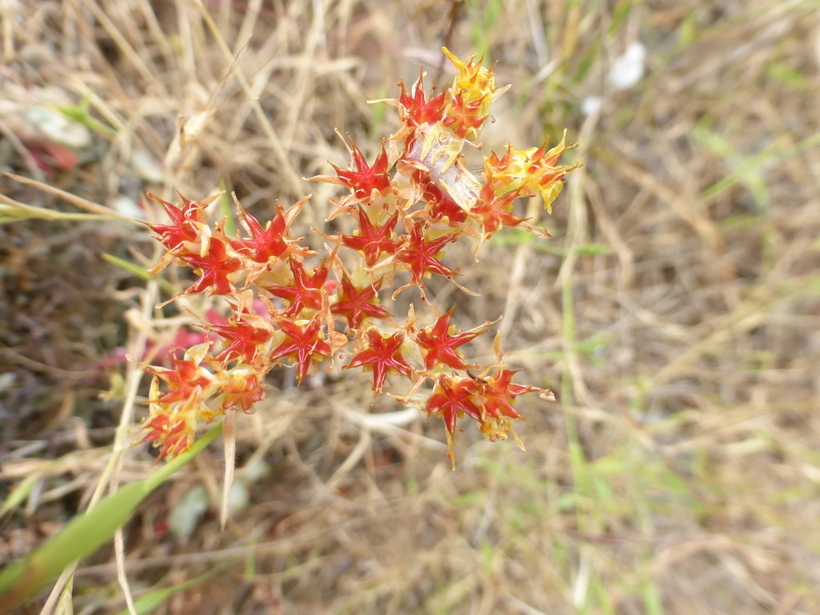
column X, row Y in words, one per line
column 407, row 207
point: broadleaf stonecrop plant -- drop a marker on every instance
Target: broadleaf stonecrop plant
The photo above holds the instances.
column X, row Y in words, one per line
column 414, row 200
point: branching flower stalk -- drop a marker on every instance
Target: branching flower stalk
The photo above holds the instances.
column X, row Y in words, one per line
column 409, row 205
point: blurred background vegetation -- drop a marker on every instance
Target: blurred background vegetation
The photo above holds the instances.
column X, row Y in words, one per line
column 675, row 313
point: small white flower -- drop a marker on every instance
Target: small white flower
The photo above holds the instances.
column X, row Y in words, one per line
column 628, row 69
column 590, row 105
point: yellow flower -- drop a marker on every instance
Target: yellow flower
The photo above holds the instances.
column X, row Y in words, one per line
column 470, row 97
column 533, row 169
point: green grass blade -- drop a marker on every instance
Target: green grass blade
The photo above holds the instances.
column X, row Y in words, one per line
column 14, row 211
column 23, row 489
column 86, row 533
column 226, row 210
column 139, row 272
column 150, row 601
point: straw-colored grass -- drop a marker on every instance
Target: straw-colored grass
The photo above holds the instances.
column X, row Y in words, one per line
column 676, row 312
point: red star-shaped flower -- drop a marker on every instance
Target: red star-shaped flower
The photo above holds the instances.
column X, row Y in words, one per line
column 264, row 243
column 214, row 269
column 439, row 346
column 185, row 376
column 356, row 304
column 499, row 393
column 419, row 254
column 306, row 290
column 416, row 110
column 451, row 399
column 184, row 221
column 464, row 117
column 492, row 211
column 371, row 240
column 381, row 355
column 173, row 434
column 242, row 388
column 364, row 179
column 244, row 334
column 441, row 204
column 304, row 344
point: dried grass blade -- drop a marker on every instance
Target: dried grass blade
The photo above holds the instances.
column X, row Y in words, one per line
column 229, row 436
